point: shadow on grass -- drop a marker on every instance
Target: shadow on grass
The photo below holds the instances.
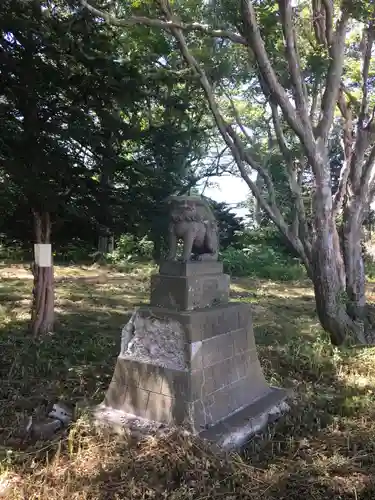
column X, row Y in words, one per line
column 323, row 449
column 76, row 361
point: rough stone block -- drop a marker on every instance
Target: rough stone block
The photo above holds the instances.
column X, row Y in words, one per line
column 189, row 293
column 199, row 325
column 153, row 338
column 191, row 268
column 189, row 358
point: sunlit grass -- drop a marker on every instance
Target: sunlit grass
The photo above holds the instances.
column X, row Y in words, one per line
column 324, row 448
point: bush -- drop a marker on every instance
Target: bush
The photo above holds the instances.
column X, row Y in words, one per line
column 130, row 247
column 75, row 251
column 267, row 236
column 262, row 262
column 14, row 252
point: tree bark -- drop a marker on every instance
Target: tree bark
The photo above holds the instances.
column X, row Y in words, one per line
column 354, row 265
column 329, row 286
column 329, row 268
column 42, row 312
column 106, row 244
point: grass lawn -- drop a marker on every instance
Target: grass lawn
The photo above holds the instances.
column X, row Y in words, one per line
column 323, row 449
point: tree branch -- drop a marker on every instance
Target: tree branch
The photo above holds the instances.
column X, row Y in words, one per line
column 294, row 179
column 237, row 117
column 328, row 8
column 348, row 138
column 165, row 25
column 336, row 53
column 231, row 138
column 292, row 56
column 267, row 72
column 234, row 142
column 338, row 199
column 368, row 177
column 314, row 103
column 368, row 41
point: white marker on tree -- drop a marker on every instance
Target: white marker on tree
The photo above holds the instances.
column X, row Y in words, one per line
column 42, row 313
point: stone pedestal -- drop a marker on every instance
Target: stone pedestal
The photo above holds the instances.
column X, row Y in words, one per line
column 189, row 358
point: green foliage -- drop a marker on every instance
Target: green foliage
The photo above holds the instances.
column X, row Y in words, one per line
column 13, row 252
column 93, row 128
column 230, row 225
column 261, row 262
column 129, row 247
column 266, row 236
column 75, row 251
column 262, row 253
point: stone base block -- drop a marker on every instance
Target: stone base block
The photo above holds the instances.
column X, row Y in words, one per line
column 191, row 268
column 188, row 339
column 235, row 431
column 193, row 368
column 231, row 433
column 222, row 381
column 184, row 293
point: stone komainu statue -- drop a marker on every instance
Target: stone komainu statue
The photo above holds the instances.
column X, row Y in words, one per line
column 192, row 220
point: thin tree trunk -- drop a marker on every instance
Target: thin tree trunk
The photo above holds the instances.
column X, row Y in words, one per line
column 103, row 244
column 354, row 266
column 42, row 313
column 105, row 241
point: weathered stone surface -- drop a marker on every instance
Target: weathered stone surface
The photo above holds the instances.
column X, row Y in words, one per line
column 190, row 268
column 193, row 222
column 189, row 358
column 195, row 399
column 236, row 430
column 182, row 293
column 149, row 339
column 197, row 383
column 199, row 325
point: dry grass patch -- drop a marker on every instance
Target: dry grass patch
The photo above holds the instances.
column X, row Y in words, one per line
column 323, row 449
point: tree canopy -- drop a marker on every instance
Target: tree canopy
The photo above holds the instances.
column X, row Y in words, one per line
column 309, row 66
column 93, row 132
column 108, row 109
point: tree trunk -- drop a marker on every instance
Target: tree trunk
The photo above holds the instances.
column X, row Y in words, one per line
column 105, row 244
column 354, row 266
column 330, row 290
column 42, row 313
column 329, row 270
